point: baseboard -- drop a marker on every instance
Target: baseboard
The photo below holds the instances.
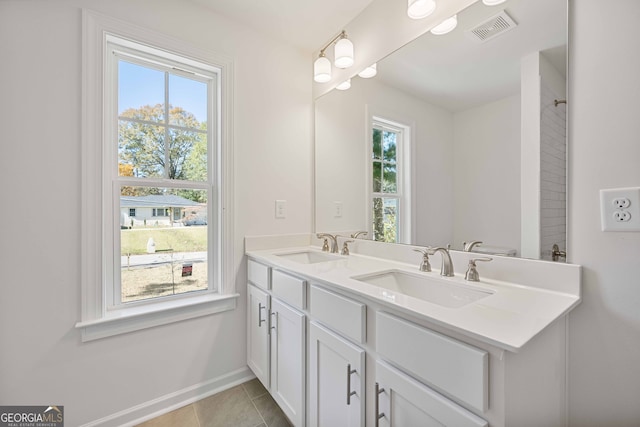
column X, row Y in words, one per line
column 169, row 402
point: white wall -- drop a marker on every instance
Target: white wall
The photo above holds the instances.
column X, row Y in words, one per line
column 487, row 174
column 42, row 359
column 604, row 152
column 341, row 141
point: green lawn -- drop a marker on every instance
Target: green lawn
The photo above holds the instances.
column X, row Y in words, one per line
column 183, row 239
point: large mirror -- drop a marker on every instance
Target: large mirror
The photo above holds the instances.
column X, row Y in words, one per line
column 458, row 138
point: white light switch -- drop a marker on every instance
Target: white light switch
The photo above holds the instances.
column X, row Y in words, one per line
column 281, row 211
column 337, row 209
column 620, row 209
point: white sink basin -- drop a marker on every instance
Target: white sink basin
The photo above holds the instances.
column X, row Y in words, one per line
column 309, row 257
column 432, row 289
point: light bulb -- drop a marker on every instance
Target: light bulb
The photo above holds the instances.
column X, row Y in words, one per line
column 343, row 53
column 322, row 70
column 492, row 2
column 344, row 85
column 445, row 26
column 369, row 72
column 418, row 9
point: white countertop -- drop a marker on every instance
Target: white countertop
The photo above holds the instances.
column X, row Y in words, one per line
column 507, row 319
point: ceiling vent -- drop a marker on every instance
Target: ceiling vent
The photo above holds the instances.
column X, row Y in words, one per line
column 492, row 27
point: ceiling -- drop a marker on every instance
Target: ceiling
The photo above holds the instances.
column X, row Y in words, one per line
column 457, row 73
column 306, row 24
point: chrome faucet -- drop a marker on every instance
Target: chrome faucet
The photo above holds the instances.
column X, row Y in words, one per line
column 425, row 265
column 357, row 233
column 334, row 241
column 468, row 247
column 447, row 264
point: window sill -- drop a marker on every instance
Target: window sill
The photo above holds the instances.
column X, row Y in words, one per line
column 131, row 319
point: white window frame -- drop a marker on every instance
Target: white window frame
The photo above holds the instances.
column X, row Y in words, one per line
column 99, row 318
column 403, row 176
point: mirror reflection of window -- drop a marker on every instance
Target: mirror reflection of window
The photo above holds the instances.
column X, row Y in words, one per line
column 388, row 195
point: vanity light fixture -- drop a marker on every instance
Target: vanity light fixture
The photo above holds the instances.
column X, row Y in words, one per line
column 343, row 52
column 493, row 2
column 369, row 72
column 344, row 85
column 322, row 69
column 445, row 26
column 418, row 9
column 343, row 58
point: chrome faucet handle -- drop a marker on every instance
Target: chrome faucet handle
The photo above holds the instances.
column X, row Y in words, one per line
column 345, row 247
column 468, row 247
column 425, row 265
column 472, row 273
column 556, row 253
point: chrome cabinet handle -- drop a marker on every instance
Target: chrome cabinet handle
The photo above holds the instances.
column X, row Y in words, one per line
column 379, row 415
column 349, row 392
column 273, row 313
column 260, row 319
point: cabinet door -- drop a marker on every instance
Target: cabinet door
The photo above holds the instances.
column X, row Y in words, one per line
column 288, row 360
column 407, row 402
column 336, row 380
column 258, row 333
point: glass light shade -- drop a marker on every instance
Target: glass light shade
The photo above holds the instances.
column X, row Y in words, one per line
column 445, row 26
column 343, row 53
column 493, row 2
column 369, row 72
column 418, row 9
column 322, row 70
column 344, row 85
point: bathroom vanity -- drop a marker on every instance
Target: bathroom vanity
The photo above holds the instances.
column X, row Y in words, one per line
column 369, row 340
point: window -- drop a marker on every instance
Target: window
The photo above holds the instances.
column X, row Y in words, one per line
column 389, row 201
column 161, row 211
column 155, row 137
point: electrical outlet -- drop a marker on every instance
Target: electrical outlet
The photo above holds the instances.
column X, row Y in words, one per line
column 621, row 216
column 620, row 209
column 621, row 202
column 281, row 211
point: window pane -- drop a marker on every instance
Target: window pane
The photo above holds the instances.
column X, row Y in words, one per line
column 164, row 247
column 140, row 87
column 389, row 179
column 389, row 145
column 189, row 96
column 377, row 144
column 377, row 177
column 140, row 149
column 187, row 155
column 385, row 224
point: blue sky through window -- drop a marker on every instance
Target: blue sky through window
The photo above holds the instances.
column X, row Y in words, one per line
column 140, row 86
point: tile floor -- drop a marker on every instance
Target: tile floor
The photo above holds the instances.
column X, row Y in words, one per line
column 245, row 405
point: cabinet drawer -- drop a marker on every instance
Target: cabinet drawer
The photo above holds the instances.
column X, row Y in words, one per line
column 288, row 288
column 341, row 314
column 258, row 274
column 447, row 364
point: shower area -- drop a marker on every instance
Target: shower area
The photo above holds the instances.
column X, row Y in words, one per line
column 543, row 157
column 553, row 176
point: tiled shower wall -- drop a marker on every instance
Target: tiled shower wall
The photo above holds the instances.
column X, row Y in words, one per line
column 553, row 174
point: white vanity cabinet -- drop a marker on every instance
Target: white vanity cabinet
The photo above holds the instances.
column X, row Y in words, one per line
column 287, row 360
column 336, row 380
column 363, row 362
column 276, row 340
column 258, row 333
column 401, row 401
